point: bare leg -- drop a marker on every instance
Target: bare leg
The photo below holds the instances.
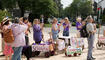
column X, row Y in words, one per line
column 6, row 57
column 10, row 57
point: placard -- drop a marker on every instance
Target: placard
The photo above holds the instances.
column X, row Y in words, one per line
column 44, row 48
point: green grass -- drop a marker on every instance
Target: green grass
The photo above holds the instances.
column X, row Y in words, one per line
column 47, row 25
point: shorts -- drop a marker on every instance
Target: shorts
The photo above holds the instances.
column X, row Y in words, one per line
column 65, row 33
column 55, row 37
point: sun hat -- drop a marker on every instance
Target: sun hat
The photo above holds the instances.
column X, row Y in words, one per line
column 5, row 20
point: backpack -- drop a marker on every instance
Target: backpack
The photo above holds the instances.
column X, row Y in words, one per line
column 8, row 36
column 83, row 32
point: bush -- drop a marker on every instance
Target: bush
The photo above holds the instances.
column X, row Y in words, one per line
column 47, row 25
column 73, row 24
column 4, row 14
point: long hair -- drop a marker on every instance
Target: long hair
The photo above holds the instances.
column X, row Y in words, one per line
column 67, row 20
column 54, row 19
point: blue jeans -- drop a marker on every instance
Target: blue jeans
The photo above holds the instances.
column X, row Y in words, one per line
column 90, row 46
column 17, row 53
column 65, row 33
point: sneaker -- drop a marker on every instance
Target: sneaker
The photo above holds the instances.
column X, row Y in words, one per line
column 93, row 58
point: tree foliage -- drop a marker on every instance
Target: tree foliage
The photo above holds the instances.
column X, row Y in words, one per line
column 103, row 17
column 4, row 14
column 45, row 7
column 79, row 8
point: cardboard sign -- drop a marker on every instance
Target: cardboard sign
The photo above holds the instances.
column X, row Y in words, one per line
column 61, row 45
column 44, row 48
column 76, row 42
column 71, row 50
column 102, row 39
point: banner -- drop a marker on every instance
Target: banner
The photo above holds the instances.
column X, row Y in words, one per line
column 71, row 50
column 44, row 48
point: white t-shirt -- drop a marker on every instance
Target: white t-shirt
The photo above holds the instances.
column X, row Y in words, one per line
column 90, row 27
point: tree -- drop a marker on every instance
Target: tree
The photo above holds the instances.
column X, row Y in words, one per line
column 45, row 7
column 103, row 17
column 85, row 8
column 79, row 8
column 24, row 5
column 8, row 4
column 3, row 14
column 59, row 7
column 0, row 5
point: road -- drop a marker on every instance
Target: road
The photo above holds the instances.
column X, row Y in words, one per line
column 98, row 54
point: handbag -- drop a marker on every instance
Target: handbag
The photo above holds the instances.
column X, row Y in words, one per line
column 8, row 36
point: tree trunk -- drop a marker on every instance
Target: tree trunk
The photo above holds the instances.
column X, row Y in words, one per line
column 22, row 12
column 21, row 8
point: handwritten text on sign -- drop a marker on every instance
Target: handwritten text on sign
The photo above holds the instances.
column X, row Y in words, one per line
column 44, row 48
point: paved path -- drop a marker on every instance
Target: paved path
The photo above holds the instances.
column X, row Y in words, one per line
column 98, row 54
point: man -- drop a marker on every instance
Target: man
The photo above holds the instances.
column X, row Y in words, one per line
column 91, row 31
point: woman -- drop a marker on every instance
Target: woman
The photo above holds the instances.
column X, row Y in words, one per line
column 7, row 48
column 78, row 26
column 66, row 26
column 55, row 30
column 19, row 38
column 26, row 22
column 1, row 27
column 37, row 29
column 37, row 32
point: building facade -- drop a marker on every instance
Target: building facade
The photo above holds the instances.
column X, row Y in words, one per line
column 101, row 4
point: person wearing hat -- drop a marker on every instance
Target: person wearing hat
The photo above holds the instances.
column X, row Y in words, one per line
column 7, row 49
column 1, row 31
column 91, row 31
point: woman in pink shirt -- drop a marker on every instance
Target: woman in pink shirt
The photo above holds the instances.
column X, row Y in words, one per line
column 7, row 48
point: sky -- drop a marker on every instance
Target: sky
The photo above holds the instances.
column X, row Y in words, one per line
column 97, row 0
column 66, row 3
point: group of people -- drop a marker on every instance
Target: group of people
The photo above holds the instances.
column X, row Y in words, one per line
column 21, row 29
column 90, row 27
column 87, row 24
